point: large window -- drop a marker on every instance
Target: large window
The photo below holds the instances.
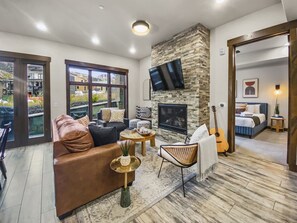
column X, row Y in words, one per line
column 91, row 87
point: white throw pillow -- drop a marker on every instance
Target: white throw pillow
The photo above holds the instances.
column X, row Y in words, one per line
column 200, row 133
column 257, row 109
column 117, row 115
column 250, row 108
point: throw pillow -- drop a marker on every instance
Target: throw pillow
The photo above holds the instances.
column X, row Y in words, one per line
column 105, row 114
column 250, row 108
column 103, row 135
column 257, row 109
column 200, row 133
column 239, row 110
column 117, row 115
column 85, row 121
column 75, row 137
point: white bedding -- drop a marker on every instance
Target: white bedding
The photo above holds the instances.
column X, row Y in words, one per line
column 248, row 122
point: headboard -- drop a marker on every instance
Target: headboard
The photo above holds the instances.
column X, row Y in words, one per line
column 263, row 107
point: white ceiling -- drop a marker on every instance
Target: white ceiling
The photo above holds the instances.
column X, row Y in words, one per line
column 290, row 7
column 75, row 22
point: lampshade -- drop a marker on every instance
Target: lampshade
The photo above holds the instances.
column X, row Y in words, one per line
column 140, row 28
column 277, row 87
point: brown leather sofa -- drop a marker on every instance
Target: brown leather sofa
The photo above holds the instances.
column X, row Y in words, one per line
column 81, row 177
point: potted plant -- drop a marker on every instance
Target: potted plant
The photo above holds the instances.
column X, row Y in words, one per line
column 276, row 110
column 125, row 147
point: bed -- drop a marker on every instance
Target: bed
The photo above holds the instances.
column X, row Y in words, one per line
column 248, row 126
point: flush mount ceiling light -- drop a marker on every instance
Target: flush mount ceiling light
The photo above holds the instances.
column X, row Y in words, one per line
column 140, row 28
column 220, row 1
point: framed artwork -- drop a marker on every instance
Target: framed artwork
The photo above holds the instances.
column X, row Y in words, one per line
column 250, row 88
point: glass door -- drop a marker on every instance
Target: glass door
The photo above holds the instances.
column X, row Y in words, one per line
column 25, row 98
column 7, row 96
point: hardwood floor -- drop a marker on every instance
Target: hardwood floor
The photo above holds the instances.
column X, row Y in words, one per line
column 243, row 189
column 28, row 193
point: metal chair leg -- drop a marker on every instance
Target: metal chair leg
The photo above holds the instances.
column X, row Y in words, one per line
column 160, row 168
column 183, row 181
column 3, row 169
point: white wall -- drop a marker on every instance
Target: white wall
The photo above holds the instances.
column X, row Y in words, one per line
column 58, row 53
column 269, row 75
column 219, row 64
column 144, row 66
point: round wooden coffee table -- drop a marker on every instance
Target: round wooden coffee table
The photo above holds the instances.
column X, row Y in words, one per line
column 136, row 137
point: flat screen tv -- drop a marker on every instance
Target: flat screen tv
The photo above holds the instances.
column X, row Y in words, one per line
column 168, row 76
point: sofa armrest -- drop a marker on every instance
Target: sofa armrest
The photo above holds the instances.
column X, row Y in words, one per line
column 99, row 115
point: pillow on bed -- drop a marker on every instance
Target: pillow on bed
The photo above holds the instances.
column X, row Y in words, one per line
column 253, row 108
column 240, row 107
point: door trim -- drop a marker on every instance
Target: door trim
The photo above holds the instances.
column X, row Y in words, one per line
column 285, row 28
column 20, row 59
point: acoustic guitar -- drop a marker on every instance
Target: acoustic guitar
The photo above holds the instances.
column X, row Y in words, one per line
column 222, row 144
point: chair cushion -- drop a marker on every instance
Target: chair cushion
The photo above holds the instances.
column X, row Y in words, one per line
column 117, row 115
column 75, row 137
column 103, row 135
column 200, row 133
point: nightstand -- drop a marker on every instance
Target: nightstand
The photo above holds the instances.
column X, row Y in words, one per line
column 277, row 123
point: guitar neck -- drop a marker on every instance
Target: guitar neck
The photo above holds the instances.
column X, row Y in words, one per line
column 216, row 122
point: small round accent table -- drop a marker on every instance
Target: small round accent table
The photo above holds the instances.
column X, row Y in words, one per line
column 116, row 166
column 136, row 137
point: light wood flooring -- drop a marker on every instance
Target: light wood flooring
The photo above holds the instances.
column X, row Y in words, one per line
column 244, row 189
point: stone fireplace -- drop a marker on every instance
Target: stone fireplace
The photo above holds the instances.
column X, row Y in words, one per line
column 173, row 117
column 192, row 47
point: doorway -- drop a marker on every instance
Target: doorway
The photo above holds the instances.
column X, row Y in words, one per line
column 289, row 28
column 25, row 98
column 261, row 108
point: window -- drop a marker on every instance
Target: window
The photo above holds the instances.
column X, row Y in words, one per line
column 91, row 87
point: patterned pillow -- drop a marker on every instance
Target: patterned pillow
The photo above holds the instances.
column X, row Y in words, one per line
column 117, row 115
column 105, row 114
column 84, row 121
column 145, row 112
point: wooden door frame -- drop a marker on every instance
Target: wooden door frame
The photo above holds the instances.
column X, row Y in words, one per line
column 289, row 28
column 21, row 59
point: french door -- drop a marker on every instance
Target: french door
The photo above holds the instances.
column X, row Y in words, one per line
column 25, row 98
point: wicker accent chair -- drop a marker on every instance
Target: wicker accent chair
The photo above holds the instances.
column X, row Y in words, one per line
column 181, row 155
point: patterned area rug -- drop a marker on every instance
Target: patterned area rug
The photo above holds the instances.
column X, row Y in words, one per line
column 147, row 190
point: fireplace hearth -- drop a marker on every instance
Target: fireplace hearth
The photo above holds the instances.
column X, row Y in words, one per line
column 173, row 117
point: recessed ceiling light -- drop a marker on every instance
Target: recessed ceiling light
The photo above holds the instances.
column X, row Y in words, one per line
column 287, row 44
column 220, row 1
column 101, row 7
column 95, row 40
column 140, row 28
column 132, row 50
column 41, row 26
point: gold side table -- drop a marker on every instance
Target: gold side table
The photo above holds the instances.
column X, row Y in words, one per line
column 116, row 166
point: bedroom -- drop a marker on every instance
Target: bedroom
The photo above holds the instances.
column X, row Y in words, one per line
column 262, row 99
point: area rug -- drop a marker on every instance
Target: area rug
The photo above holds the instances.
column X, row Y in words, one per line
column 146, row 191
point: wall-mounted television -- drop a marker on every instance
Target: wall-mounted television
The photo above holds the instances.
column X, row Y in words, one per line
column 168, row 76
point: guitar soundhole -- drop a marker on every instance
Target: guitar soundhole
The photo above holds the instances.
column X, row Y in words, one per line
column 217, row 134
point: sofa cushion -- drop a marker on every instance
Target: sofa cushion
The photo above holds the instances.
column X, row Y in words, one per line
column 60, row 120
column 85, row 121
column 117, row 115
column 120, row 126
column 103, row 135
column 75, row 137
